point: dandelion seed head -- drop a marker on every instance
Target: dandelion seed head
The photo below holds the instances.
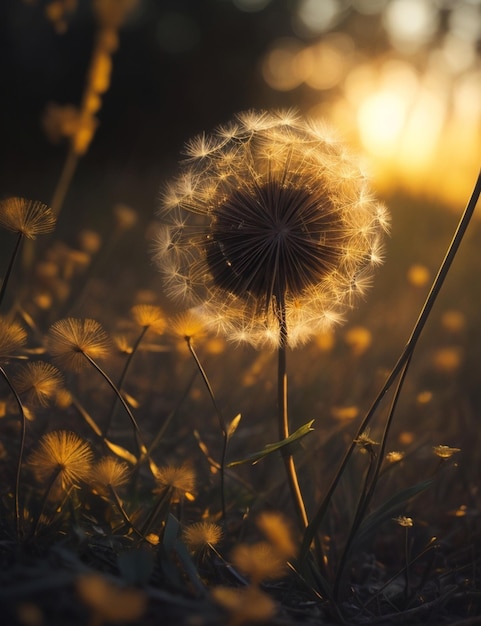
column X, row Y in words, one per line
column 200, row 535
column 38, row 381
column 70, row 339
column 12, row 337
column 149, row 315
column 179, row 479
column 28, row 217
column 63, row 453
column 395, row 456
column 109, row 472
column 188, row 325
column 403, row 520
column 278, row 532
column 269, row 211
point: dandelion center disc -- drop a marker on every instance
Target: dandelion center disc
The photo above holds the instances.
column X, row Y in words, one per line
column 271, row 241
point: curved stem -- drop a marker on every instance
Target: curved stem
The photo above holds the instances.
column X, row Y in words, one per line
column 10, row 266
column 223, row 429
column 403, row 359
column 23, row 428
column 123, row 376
column 51, row 483
column 283, row 419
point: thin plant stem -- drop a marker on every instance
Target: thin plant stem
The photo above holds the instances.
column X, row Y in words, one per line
column 50, row 484
column 138, row 434
column 403, row 359
column 222, row 426
column 283, row 419
column 11, row 263
column 164, row 497
column 370, row 482
column 23, row 428
column 120, row 508
column 122, row 377
column 63, row 183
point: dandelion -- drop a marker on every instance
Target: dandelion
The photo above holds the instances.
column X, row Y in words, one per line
column 62, row 455
column 365, row 442
column 71, row 340
column 39, row 382
column 179, row 480
column 26, row 217
column 395, row 456
column 402, row 520
column 188, row 325
column 109, row 473
column 149, row 316
column 270, row 231
column 202, row 535
column 275, row 216
column 12, row 337
column 278, row 532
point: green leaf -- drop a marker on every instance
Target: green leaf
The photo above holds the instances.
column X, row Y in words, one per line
column 274, row 447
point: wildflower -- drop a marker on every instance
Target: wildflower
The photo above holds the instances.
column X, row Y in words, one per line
column 180, row 480
column 12, row 338
column 70, row 340
column 109, row 472
column 395, row 456
column 27, row 217
column 63, row 455
column 445, row 452
column 39, row 382
column 199, row 536
column 402, row 520
column 109, row 602
column 269, row 214
column 148, row 315
column 365, row 442
column 260, row 561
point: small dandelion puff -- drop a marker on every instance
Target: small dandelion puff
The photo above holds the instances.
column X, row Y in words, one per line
column 201, row 535
column 269, row 213
column 365, row 442
column 445, row 452
column 12, row 337
column 259, row 561
column 109, row 472
column 180, row 480
column 395, row 456
column 402, row 520
column 39, row 382
column 149, row 315
column 70, row 340
column 27, row 217
column 63, row 454
column 188, row 325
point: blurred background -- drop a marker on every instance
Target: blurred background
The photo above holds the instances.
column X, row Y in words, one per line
column 401, row 80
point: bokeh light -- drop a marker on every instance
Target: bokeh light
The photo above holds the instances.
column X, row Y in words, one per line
column 410, row 99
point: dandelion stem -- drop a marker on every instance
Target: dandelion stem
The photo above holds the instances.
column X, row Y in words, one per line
column 283, row 419
column 123, row 376
column 10, row 266
column 119, row 506
column 23, row 424
column 403, row 359
column 223, row 429
column 108, row 380
column 51, row 483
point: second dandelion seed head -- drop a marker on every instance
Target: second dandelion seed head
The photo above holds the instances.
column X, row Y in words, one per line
column 269, row 213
